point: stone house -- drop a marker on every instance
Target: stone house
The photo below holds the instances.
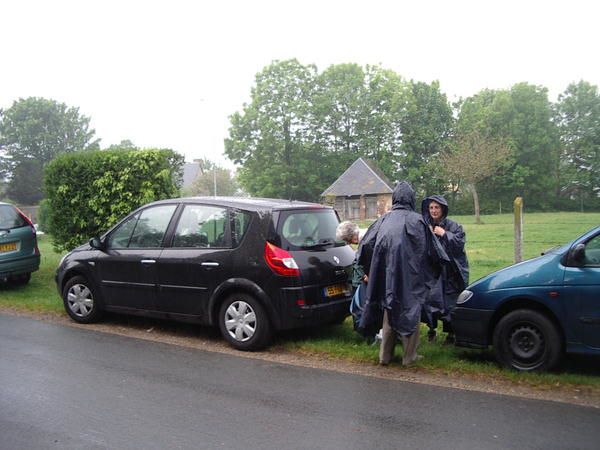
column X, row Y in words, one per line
column 361, row 192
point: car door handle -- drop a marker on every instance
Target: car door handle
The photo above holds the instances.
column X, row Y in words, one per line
column 148, row 261
column 209, row 264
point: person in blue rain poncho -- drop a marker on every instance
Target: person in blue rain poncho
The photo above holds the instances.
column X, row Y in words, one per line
column 453, row 276
column 397, row 288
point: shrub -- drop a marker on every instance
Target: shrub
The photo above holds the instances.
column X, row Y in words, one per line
column 88, row 192
column 42, row 215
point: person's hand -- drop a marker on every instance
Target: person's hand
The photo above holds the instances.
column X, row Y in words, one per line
column 438, row 231
column 366, row 278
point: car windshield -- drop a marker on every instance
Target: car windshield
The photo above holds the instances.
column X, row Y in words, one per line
column 10, row 218
column 308, row 229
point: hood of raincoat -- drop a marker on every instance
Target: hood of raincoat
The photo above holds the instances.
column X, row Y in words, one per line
column 425, row 207
column 403, row 196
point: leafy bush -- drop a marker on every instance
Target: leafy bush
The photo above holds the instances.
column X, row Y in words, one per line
column 88, row 192
column 42, row 215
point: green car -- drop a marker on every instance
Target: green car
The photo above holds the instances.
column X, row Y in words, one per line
column 19, row 252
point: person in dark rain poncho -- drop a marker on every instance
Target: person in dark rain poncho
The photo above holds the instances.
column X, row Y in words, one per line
column 454, row 275
column 396, row 284
column 349, row 232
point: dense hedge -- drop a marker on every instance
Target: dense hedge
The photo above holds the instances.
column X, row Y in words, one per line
column 88, row 192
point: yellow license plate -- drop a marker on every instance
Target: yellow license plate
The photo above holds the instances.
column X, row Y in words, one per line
column 10, row 247
column 336, row 289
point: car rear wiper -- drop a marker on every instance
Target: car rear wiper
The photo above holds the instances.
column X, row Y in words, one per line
column 322, row 243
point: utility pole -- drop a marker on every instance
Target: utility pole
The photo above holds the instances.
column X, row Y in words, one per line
column 215, row 179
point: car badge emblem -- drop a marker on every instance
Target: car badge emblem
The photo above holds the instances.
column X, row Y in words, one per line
column 336, row 259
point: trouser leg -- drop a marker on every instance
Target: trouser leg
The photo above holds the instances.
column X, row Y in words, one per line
column 433, row 327
column 410, row 344
column 388, row 341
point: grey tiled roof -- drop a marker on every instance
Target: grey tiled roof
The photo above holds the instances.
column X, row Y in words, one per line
column 363, row 177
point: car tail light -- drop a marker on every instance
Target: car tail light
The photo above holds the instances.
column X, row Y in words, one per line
column 36, row 250
column 26, row 219
column 280, row 261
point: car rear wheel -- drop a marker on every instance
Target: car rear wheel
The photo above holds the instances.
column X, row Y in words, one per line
column 527, row 340
column 80, row 301
column 244, row 323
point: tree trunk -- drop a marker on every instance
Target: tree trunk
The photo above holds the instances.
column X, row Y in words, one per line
column 476, row 204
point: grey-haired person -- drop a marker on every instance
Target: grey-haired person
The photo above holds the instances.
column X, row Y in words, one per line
column 347, row 231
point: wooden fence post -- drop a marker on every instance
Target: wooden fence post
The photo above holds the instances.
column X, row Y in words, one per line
column 518, row 207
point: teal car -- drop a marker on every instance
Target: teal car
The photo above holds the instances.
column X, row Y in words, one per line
column 535, row 311
column 19, row 252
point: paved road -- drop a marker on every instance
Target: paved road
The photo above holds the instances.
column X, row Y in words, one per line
column 69, row 388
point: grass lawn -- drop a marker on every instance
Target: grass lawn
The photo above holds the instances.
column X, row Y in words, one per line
column 489, row 247
column 40, row 295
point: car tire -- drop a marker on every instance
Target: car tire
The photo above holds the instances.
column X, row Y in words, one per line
column 527, row 340
column 244, row 323
column 80, row 300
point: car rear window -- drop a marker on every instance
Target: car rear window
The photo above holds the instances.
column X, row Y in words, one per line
column 10, row 218
column 307, row 229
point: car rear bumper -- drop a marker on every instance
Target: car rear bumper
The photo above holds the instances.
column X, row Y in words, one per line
column 19, row 266
column 293, row 315
column 471, row 326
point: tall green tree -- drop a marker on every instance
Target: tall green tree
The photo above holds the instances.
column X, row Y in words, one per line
column 578, row 119
column 338, row 111
column 522, row 118
column 271, row 138
column 426, row 125
column 20, row 188
column 383, row 111
column 33, row 131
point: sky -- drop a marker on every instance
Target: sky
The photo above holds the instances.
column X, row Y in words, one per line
column 169, row 74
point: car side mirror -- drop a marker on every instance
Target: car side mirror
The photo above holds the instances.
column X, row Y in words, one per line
column 578, row 254
column 97, row 243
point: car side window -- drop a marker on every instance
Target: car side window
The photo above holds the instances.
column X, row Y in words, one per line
column 201, row 226
column 592, row 252
column 240, row 220
column 144, row 230
column 121, row 236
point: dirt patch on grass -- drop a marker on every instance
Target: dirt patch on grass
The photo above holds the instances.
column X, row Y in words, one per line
column 203, row 338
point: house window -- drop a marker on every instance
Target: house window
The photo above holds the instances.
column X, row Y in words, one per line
column 340, row 207
column 371, row 207
column 352, row 209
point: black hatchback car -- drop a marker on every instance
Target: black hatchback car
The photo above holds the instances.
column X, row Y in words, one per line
column 249, row 266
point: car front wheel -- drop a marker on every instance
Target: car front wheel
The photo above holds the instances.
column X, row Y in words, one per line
column 80, row 301
column 527, row 340
column 244, row 323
